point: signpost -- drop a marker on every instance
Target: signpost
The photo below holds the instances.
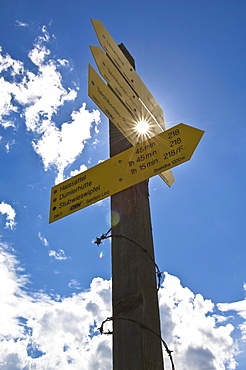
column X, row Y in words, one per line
column 139, row 163
column 124, row 177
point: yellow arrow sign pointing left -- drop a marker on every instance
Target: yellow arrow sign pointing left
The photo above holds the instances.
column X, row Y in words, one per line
column 123, row 65
column 122, row 89
column 113, row 108
column 151, row 157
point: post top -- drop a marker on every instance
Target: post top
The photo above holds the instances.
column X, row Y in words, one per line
column 127, row 54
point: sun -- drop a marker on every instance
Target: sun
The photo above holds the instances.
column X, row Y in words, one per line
column 142, row 127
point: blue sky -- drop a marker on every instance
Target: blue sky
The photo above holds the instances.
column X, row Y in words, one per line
column 56, row 283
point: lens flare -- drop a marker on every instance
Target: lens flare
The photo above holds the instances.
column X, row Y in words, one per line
column 115, row 218
column 101, row 255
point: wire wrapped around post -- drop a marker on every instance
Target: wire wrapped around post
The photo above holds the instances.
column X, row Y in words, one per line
column 99, row 240
column 143, row 326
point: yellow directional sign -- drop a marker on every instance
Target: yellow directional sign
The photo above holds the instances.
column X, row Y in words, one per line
column 122, row 89
column 108, row 102
column 123, row 65
column 112, row 107
column 151, row 157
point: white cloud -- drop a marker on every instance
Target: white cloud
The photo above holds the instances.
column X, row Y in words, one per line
column 11, row 294
column 240, row 309
column 82, row 168
column 74, row 284
column 43, row 240
column 8, row 210
column 9, row 145
column 60, row 147
column 44, row 332
column 6, row 106
column 58, row 255
column 191, row 330
column 38, row 54
column 39, row 97
column 63, row 62
column 20, row 24
column 7, row 63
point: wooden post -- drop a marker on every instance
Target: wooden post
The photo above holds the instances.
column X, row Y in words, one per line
column 134, row 290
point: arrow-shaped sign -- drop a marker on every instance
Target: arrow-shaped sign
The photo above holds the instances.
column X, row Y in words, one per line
column 108, row 102
column 122, row 89
column 151, row 157
column 112, row 107
column 123, row 65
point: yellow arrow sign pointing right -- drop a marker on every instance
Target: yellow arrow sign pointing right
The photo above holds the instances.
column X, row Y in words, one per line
column 151, row 157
